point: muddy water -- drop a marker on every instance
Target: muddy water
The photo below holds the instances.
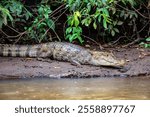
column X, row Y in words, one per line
column 98, row 88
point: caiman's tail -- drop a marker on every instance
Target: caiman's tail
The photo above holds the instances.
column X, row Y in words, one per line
column 19, row 50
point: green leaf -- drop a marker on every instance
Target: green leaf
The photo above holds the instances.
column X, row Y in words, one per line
column 68, row 36
column 123, row 1
column 87, row 21
column 94, row 25
column 46, row 16
column 146, row 45
column 1, row 22
column 35, row 21
column 40, row 10
column 142, row 43
column 68, row 30
column 50, row 24
column 72, row 37
column 104, row 23
column 119, row 23
column 112, row 32
column 99, row 18
column 41, row 25
column 116, row 30
column 105, row 11
column 76, row 22
column 77, row 14
column 148, row 39
column 80, row 39
column 113, row 10
column 71, row 22
column 89, row 7
column 122, row 13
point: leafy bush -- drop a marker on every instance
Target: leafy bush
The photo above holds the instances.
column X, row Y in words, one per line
column 35, row 23
column 41, row 24
column 4, row 15
column 110, row 19
column 103, row 15
column 17, row 10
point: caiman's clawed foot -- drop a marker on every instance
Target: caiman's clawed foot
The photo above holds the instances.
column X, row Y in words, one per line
column 124, row 69
column 44, row 60
column 75, row 63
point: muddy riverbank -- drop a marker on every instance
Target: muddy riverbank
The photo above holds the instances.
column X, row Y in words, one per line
column 138, row 60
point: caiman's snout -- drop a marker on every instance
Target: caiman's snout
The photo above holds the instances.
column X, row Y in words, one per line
column 120, row 63
column 114, row 63
column 106, row 59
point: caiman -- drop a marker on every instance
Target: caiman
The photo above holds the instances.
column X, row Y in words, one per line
column 63, row 52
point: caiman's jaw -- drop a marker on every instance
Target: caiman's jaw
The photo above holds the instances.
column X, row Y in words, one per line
column 106, row 59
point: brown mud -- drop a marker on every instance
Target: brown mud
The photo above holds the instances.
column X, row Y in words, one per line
column 138, row 61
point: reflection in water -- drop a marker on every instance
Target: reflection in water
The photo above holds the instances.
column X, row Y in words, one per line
column 99, row 88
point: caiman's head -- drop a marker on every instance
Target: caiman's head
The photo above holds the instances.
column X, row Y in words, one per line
column 105, row 59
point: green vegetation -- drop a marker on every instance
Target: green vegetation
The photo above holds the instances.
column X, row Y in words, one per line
column 103, row 15
column 4, row 15
column 41, row 24
column 146, row 44
column 115, row 21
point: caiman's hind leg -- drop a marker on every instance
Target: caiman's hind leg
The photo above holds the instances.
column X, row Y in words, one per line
column 44, row 54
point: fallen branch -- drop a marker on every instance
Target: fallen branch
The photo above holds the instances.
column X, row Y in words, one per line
column 100, row 46
column 133, row 42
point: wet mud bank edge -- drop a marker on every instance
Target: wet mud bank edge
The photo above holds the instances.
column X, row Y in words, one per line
column 3, row 77
column 138, row 60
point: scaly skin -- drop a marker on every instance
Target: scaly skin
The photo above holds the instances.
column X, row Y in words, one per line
column 63, row 52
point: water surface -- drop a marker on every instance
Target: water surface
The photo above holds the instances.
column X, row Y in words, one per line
column 94, row 88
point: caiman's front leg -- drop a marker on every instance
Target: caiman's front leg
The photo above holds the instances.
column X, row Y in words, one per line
column 75, row 63
column 44, row 60
column 123, row 69
column 44, row 55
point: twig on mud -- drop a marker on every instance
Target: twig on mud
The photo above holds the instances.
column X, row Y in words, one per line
column 133, row 42
column 114, row 42
column 138, row 37
column 100, row 46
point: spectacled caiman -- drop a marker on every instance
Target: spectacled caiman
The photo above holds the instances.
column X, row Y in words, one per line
column 64, row 52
